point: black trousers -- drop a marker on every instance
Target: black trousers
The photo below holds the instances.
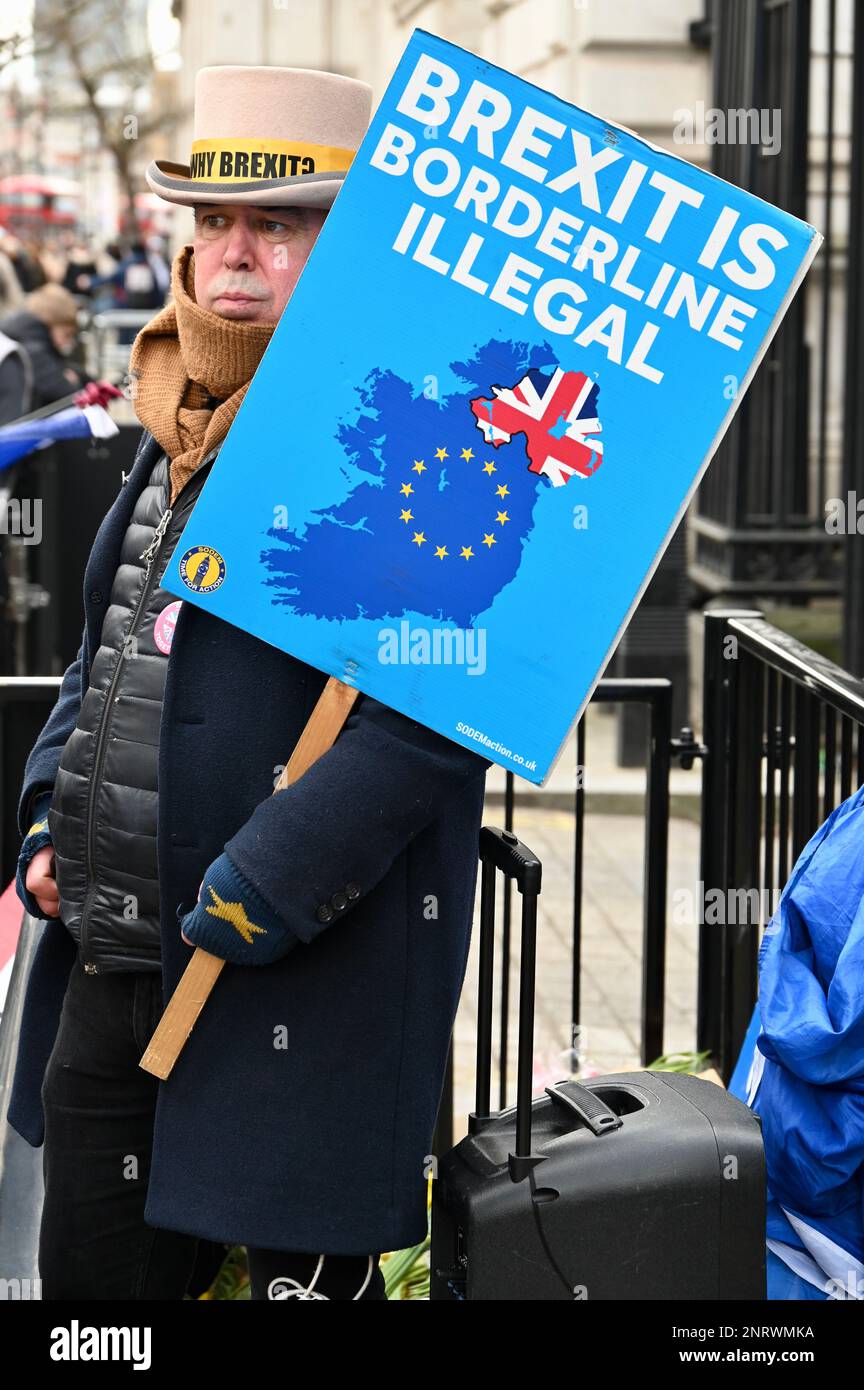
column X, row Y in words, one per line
column 99, row 1113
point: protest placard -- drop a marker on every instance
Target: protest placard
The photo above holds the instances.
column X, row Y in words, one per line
column 519, row 339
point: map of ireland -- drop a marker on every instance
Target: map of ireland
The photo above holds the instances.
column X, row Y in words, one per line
column 454, row 481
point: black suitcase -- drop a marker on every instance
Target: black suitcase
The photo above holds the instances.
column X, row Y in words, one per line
column 637, row 1185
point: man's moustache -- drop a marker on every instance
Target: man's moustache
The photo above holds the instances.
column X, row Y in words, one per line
column 231, row 287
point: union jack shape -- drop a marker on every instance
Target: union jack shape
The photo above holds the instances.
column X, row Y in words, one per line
column 557, row 413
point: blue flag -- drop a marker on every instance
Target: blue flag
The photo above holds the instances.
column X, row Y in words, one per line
column 90, row 421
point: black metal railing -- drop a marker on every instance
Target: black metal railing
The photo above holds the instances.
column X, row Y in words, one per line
column 853, row 396
column 656, row 696
column 783, row 731
column 759, row 517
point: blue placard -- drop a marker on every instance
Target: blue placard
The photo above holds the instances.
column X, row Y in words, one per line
column 519, row 339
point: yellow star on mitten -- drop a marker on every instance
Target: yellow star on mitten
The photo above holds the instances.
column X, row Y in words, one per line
column 235, row 913
column 223, row 927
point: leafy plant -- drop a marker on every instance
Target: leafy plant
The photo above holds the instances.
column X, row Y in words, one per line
column 232, row 1281
column 681, row 1061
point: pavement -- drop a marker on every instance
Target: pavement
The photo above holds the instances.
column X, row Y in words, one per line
column 611, row 922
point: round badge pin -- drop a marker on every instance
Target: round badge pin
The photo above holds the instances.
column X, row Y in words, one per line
column 202, row 569
column 163, row 628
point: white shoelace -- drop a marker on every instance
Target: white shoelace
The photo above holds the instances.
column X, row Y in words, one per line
column 292, row 1288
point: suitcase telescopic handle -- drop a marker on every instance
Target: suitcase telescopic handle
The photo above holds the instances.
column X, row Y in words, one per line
column 514, row 859
column 501, row 849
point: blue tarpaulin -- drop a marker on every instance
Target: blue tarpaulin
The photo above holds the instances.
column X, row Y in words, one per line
column 802, row 1066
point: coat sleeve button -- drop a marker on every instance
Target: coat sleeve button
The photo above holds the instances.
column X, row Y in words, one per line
column 353, row 890
column 324, row 913
column 339, row 902
column 95, row 595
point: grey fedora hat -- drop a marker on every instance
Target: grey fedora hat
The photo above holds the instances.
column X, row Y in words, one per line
column 268, row 136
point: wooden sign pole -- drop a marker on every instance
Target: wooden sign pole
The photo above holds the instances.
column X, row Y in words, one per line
column 202, row 972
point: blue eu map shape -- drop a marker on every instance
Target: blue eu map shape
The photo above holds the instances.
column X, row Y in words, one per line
column 436, row 520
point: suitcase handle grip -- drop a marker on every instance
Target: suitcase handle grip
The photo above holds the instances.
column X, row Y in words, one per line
column 501, row 849
column 598, row 1116
column 507, row 852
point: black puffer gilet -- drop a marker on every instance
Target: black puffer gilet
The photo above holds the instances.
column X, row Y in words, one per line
column 102, row 816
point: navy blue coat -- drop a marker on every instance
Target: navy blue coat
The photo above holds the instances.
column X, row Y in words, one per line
column 322, row 1144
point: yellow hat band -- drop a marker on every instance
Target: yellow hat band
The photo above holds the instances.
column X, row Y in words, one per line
column 240, row 161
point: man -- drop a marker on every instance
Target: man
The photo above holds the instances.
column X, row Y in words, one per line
column 16, row 380
column 46, row 327
column 11, row 293
column 298, row 1119
column 80, row 271
column 136, row 285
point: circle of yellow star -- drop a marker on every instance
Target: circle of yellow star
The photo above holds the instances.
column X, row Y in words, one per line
column 406, row 489
column 406, row 516
column 489, row 539
column 419, row 538
column 489, row 468
column 467, row 455
column 441, row 454
column 502, row 489
column 441, row 551
column 466, row 552
column 419, row 466
column 502, row 517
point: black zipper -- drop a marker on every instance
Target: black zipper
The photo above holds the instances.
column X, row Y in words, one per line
column 150, row 555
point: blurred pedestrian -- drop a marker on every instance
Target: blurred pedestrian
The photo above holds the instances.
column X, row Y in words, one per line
column 136, row 286
column 11, row 293
column 161, row 269
column 33, row 264
column 80, row 271
column 135, row 279
column 53, row 257
column 28, row 270
column 16, row 380
column 46, row 327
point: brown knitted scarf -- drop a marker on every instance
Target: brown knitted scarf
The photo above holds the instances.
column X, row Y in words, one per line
column 182, row 358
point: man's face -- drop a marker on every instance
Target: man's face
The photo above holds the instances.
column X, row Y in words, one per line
column 63, row 336
column 248, row 259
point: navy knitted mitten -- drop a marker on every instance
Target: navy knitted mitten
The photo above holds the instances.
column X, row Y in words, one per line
column 231, row 920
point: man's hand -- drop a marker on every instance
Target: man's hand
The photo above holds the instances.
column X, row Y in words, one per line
column 97, row 393
column 40, row 881
column 182, row 932
column 234, row 923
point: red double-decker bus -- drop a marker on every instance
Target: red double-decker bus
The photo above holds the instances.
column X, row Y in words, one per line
column 33, row 204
